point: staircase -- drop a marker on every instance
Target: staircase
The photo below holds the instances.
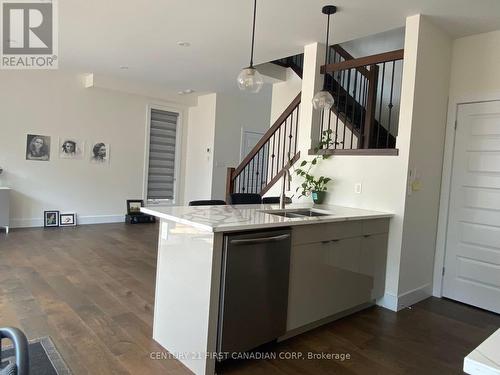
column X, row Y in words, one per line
column 364, row 93
column 361, row 120
column 271, row 156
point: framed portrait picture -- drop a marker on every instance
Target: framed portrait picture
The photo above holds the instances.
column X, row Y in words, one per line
column 99, row 152
column 67, row 220
column 37, row 147
column 71, row 148
column 50, row 219
column 134, row 206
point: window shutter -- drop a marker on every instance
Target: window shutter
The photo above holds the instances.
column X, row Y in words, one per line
column 162, row 141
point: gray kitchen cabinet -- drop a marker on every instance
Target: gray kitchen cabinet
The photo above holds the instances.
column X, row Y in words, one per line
column 342, row 270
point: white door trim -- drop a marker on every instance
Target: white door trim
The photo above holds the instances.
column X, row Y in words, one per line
column 444, row 204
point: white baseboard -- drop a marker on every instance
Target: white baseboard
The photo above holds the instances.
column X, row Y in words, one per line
column 389, row 301
column 413, row 296
column 81, row 220
column 103, row 219
column 395, row 303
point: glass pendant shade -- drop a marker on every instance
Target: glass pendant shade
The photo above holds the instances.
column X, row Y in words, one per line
column 322, row 100
column 250, row 80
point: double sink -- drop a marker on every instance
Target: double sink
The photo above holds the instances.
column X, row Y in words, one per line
column 299, row 213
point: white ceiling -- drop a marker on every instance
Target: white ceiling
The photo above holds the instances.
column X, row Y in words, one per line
column 102, row 35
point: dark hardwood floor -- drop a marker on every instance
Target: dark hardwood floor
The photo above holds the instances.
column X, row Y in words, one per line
column 91, row 289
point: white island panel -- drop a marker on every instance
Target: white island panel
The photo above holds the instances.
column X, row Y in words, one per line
column 187, row 294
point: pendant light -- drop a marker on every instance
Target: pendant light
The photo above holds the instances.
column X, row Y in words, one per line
column 249, row 78
column 323, row 100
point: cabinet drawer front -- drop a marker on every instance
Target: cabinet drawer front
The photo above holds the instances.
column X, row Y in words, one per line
column 375, row 226
column 326, row 232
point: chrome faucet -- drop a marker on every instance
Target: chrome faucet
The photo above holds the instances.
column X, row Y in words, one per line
column 287, row 177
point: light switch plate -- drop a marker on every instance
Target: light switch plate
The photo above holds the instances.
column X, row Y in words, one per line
column 358, row 188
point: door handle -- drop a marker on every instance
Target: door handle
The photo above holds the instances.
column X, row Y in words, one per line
column 249, row 241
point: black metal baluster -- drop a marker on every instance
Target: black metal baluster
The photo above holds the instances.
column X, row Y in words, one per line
column 243, row 185
column 290, row 137
column 296, row 129
column 278, row 151
column 284, row 146
column 345, row 107
column 268, row 145
column 380, row 107
column 390, row 107
column 273, row 156
column 363, row 111
column 321, row 123
column 252, row 176
column 337, row 107
column 257, row 172
column 354, row 105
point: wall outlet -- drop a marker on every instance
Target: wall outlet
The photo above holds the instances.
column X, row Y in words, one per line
column 358, row 188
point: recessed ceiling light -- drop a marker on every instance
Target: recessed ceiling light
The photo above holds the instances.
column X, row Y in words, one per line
column 185, row 92
column 183, row 44
column 123, row 67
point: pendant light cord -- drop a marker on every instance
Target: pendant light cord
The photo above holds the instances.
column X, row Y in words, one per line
column 253, row 32
column 327, row 50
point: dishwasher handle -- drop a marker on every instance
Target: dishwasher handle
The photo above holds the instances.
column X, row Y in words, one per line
column 250, row 241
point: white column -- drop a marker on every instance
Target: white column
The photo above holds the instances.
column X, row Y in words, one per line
column 312, row 82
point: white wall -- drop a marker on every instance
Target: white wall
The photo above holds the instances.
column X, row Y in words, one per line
column 378, row 43
column 200, row 149
column 482, row 52
column 55, row 103
column 283, row 93
column 475, row 63
column 236, row 112
column 425, row 162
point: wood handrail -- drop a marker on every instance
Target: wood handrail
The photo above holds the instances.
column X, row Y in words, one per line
column 288, row 111
column 364, row 61
column 347, row 56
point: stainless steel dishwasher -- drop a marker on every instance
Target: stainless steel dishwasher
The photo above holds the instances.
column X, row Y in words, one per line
column 254, row 289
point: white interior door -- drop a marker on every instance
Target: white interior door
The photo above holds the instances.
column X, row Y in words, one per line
column 472, row 264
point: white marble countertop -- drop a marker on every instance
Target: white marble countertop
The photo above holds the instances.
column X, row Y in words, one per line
column 247, row 217
column 485, row 359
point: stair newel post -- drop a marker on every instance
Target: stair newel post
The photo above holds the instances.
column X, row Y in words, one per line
column 370, row 106
column 229, row 183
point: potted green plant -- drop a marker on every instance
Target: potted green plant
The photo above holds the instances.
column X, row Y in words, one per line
column 315, row 186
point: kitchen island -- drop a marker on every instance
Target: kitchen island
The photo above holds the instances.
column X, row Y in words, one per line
column 333, row 259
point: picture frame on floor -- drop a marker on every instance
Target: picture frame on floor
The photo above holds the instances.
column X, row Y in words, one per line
column 50, row 219
column 67, row 220
column 134, row 206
